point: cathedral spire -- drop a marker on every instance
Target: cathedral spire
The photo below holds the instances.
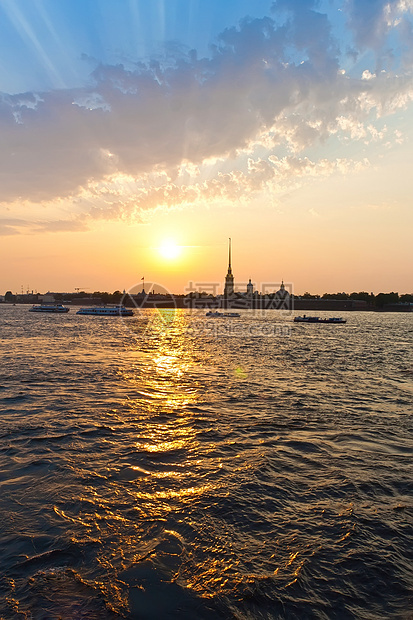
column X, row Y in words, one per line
column 229, row 278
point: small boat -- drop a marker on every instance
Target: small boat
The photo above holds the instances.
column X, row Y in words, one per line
column 57, row 308
column 222, row 315
column 117, row 310
column 317, row 319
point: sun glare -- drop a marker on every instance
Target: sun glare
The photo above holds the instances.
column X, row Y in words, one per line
column 169, row 250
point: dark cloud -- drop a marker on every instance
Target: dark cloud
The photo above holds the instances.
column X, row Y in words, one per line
column 372, row 21
column 367, row 21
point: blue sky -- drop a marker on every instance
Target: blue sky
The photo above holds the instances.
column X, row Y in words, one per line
column 46, row 44
column 51, row 44
column 145, row 115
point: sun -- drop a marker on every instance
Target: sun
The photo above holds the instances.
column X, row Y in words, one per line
column 169, row 249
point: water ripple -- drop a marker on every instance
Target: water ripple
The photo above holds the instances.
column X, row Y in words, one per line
column 147, row 472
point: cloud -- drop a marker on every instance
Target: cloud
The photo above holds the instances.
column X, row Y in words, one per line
column 11, row 226
column 61, row 226
column 372, row 21
column 18, row 226
column 115, row 147
column 276, row 175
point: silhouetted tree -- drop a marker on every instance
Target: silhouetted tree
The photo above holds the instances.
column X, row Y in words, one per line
column 361, row 296
column 382, row 299
column 338, row 296
column 308, row 295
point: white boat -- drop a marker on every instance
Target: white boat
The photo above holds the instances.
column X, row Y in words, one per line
column 117, row 310
column 57, row 308
column 222, row 315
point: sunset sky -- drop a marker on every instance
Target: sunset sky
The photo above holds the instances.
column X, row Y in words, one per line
column 128, row 125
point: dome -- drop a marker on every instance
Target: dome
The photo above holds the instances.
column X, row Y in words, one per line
column 281, row 291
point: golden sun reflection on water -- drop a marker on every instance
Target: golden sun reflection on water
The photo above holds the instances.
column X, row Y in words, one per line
column 174, row 494
column 176, row 470
column 167, row 375
column 162, row 476
column 164, row 446
column 164, row 383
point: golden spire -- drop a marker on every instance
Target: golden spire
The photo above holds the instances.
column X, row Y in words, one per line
column 229, row 257
column 229, row 278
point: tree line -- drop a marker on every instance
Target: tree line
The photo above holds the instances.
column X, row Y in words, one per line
column 379, row 300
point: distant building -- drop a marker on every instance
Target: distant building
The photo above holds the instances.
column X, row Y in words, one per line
column 250, row 297
column 282, row 293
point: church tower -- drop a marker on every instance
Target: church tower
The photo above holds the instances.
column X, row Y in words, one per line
column 229, row 278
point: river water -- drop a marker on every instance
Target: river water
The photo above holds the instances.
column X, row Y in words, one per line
column 164, row 466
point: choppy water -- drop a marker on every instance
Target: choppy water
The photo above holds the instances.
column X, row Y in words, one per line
column 148, row 470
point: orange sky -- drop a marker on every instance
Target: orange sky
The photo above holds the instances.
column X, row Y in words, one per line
column 269, row 133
